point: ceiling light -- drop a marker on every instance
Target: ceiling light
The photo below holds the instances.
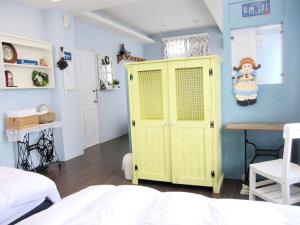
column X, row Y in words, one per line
column 55, row 0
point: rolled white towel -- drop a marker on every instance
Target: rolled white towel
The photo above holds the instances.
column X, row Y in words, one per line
column 21, row 113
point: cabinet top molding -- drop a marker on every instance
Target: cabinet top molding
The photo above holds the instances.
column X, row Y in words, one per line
column 214, row 57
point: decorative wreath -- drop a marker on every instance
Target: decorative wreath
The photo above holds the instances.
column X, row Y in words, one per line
column 40, row 79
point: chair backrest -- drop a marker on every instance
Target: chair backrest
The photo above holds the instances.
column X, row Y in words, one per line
column 291, row 131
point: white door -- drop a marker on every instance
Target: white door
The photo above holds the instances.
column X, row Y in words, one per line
column 87, row 77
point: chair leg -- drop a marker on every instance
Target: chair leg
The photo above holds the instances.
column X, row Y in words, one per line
column 285, row 187
column 252, row 184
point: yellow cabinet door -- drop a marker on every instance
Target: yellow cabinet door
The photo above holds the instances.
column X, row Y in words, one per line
column 191, row 132
column 150, row 131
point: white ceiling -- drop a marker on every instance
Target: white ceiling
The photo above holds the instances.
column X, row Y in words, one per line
column 147, row 16
column 157, row 16
column 76, row 6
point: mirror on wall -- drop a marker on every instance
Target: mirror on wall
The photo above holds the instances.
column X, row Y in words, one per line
column 264, row 44
column 105, row 72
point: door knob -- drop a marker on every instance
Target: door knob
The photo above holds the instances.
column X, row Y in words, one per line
column 95, row 101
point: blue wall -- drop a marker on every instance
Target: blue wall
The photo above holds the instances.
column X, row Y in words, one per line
column 155, row 51
column 113, row 105
column 32, row 26
column 48, row 25
column 44, row 25
column 68, row 139
column 276, row 103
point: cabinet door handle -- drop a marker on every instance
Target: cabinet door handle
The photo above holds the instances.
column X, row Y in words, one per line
column 166, row 123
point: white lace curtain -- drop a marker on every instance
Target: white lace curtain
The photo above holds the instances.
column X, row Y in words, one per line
column 185, row 46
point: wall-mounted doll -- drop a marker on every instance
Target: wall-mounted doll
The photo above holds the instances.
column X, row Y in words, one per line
column 245, row 87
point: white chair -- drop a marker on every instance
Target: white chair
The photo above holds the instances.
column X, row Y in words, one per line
column 281, row 174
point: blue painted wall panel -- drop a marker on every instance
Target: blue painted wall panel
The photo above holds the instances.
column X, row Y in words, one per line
column 276, row 103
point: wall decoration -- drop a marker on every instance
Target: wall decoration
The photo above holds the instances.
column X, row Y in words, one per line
column 256, row 8
column 106, row 72
column 123, row 50
column 27, row 62
column 43, row 62
column 102, row 85
column 69, row 81
column 62, row 63
column 114, row 83
column 40, row 79
column 68, row 56
column 9, row 53
column 245, row 87
column 9, row 79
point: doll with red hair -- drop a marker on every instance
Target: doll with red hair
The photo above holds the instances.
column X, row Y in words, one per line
column 245, row 88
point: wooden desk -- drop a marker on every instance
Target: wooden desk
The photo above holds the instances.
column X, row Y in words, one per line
column 255, row 126
column 258, row 151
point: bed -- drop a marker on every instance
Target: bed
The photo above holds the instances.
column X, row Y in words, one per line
column 24, row 193
column 137, row 205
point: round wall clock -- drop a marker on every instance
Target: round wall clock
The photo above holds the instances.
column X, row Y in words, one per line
column 9, row 53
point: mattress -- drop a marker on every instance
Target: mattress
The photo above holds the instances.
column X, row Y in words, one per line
column 137, row 205
column 22, row 191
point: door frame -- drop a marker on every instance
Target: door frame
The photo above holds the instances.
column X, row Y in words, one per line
column 77, row 49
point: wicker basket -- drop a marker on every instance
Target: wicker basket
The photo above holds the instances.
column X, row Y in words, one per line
column 47, row 117
column 21, row 122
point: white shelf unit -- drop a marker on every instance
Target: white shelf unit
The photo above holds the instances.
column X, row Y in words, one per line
column 28, row 49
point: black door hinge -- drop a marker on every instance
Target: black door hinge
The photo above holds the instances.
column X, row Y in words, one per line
column 212, row 124
column 136, row 168
column 210, row 71
column 131, row 76
column 133, row 123
column 212, row 174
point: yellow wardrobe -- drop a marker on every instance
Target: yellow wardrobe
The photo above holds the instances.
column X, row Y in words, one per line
column 175, row 113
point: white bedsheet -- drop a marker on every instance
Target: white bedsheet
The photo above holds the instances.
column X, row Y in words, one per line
column 136, row 205
column 22, row 191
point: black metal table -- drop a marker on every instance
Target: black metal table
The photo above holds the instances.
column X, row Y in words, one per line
column 44, row 146
column 257, row 151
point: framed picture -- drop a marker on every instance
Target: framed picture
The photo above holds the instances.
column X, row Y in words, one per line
column 9, row 78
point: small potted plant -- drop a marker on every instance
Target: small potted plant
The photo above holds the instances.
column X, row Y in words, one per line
column 114, row 83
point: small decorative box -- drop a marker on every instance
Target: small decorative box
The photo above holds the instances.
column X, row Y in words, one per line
column 27, row 62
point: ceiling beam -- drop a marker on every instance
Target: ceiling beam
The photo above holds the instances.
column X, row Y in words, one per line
column 101, row 20
column 216, row 9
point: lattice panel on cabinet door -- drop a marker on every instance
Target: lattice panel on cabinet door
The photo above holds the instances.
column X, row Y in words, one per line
column 151, row 95
column 189, row 93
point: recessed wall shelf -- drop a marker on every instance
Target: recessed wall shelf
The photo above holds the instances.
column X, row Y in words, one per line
column 21, row 74
column 129, row 58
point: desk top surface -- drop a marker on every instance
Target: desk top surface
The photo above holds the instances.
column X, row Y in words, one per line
column 255, row 126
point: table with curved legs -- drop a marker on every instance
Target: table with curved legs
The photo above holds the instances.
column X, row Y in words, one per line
column 44, row 145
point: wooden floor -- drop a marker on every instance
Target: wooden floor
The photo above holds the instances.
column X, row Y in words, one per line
column 101, row 164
